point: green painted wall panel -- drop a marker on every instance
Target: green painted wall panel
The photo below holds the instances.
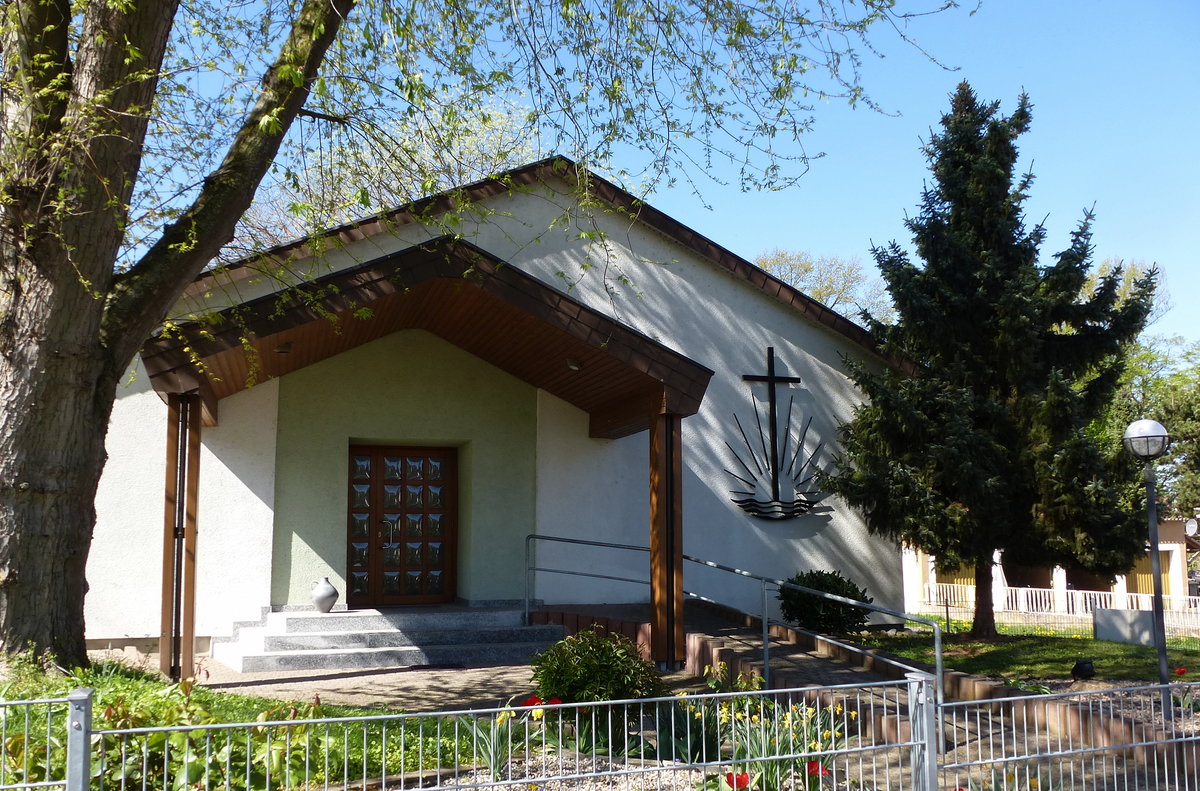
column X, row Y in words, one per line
column 409, row 388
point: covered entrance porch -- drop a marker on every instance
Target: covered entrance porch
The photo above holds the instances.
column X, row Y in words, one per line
column 625, row 382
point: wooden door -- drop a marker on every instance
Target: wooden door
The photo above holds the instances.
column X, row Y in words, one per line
column 1141, row 578
column 401, row 525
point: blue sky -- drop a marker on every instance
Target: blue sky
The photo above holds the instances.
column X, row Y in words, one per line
column 1116, row 125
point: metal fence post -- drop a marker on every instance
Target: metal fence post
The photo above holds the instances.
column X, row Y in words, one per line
column 921, row 710
column 79, row 739
column 766, row 638
column 528, row 577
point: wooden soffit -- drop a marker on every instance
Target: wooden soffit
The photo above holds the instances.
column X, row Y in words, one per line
column 455, row 290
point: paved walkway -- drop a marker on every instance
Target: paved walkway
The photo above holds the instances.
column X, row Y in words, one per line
column 407, row 689
column 442, row 689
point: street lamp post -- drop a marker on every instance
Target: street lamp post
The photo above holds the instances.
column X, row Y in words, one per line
column 1147, row 439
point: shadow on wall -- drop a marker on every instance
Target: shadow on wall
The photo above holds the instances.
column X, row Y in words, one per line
column 779, row 549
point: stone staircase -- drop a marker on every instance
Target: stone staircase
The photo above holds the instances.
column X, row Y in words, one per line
column 403, row 637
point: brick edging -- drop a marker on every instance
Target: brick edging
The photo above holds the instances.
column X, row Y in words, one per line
column 1075, row 722
column 573, row 623
column 1069, row 720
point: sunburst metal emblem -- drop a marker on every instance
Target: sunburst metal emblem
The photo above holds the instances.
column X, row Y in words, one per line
column 777, row 476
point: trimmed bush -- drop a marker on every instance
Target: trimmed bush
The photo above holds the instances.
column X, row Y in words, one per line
column 822, row 615
column 589, row 667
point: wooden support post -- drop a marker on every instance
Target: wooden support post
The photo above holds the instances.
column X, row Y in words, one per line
column 171, row 495
column 666, row 541
column 187, row 658
column 177, row 635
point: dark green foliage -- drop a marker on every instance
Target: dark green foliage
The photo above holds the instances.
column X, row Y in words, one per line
column 1161, row 382
column 981, row 444
column 812, row 612
column 589, row 667
column 1179, row 411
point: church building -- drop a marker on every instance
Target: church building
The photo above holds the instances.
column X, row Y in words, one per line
column 400, row 403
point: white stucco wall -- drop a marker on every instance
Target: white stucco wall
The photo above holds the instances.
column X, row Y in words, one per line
column 408, row 388
column 726, row 324
column 124, row 569
column 235, row 516
column 592, row 489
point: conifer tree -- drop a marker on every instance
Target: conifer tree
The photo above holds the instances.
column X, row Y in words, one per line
column 980, row 444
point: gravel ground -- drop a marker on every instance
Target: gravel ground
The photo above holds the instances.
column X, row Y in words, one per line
column 1126, row 699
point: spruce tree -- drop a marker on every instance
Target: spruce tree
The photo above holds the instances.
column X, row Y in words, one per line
column 977, row 441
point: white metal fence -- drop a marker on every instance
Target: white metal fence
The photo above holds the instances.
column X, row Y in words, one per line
column 747, row 740
column 1132, row 738
column 36, row 744
column 1066, row 611
column 875, row 737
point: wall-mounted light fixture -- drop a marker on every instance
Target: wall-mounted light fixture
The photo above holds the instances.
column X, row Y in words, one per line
column 284, row 348
column 574, row 365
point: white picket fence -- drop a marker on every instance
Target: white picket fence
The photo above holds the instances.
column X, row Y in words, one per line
column 1060, row 609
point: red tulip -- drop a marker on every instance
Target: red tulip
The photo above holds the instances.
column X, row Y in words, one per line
column 1181, row 671
column 739, row 780
column 816, row 770
column 532, row 700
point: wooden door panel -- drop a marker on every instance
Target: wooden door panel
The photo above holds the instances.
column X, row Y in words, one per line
column 401, row 527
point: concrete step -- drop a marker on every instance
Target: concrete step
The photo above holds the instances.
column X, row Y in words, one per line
column 410, row 638
column 402, row 637
column 394, row 619
column 464, row 655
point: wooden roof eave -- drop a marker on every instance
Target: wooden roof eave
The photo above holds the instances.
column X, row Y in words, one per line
column 618, row 375
column 565, row 169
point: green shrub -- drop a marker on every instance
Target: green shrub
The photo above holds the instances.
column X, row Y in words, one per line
column 822, row 615
column 589, row 667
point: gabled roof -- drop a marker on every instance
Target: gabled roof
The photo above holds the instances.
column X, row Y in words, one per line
column 620, row 200
column 619, row 376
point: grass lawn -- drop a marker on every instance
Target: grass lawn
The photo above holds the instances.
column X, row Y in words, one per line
column 1037, row 656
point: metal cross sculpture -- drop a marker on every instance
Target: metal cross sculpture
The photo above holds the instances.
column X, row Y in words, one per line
column 789, row 480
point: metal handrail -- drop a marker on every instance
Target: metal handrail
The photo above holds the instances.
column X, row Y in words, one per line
column 763, row 583
column 530, row 568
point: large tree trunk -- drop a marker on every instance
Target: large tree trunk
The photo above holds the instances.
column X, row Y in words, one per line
column 69, row 325
column 984, row 623
column 51, row 455
column 71, row 157
column 56, row 392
